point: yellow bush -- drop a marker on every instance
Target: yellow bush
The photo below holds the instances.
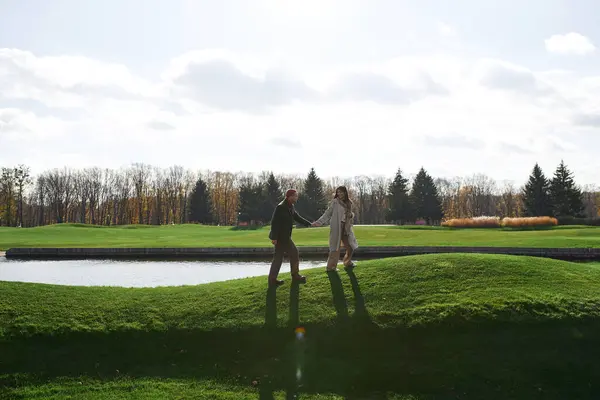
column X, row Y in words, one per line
column 527, row 222
column 477, row 222
column 495, row 222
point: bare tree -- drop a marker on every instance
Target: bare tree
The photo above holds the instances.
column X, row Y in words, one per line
column 361, row 185
column 23, row 179
column 590, row 200
column 41, row 195
column 189, row 181
column 123, row 195
column 58, row 184
column 508, row 204
column 82, row 193
column 174, row 186
column 7, row 195
column 141, row 174
column 93, row 178
column 482, row 188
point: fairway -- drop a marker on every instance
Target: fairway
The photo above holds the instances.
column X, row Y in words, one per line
column 417, row 327
column 73, row 235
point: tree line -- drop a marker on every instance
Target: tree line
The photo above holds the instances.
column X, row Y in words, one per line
column 143, row 194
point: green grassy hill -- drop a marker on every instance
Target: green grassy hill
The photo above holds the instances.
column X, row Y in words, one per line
column 74, row 235
column 435, row 326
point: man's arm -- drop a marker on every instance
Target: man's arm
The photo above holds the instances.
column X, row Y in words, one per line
column 301, row 219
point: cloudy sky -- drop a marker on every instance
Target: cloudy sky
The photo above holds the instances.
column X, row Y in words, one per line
column 348, row 87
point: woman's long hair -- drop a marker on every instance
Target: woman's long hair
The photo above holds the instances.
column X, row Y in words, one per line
column 348, row 201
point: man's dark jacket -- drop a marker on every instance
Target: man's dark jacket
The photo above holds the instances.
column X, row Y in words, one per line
column 282, row 222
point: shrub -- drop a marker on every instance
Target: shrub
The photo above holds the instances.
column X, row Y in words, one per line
column 477, row 222
column 529, row 222
column 495, row 222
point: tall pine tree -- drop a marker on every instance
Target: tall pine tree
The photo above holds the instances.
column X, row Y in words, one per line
column 536, row 197
column 425, row 200
column 567, row 199
column 200, row 204
column 251, row 201
column 273, row 195
column 400, row 209
column 313, row 202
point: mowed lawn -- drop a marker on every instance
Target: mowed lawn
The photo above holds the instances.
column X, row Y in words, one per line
column 420, row 327
column 73, row 235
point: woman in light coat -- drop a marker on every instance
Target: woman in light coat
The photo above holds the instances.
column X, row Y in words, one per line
column 340, row 217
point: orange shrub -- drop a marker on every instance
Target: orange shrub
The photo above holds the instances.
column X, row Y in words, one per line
column 477, row 222
column 528, row 222
column 495, row 222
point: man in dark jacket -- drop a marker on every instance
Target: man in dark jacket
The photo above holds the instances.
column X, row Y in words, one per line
column 281, row 236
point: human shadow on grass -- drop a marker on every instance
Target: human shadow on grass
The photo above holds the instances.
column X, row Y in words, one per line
column 338, row 296
column 456, row 359
column 360, row 308
column 266, row 387
column 361, row 315
column 467, row 360
column 271, row 308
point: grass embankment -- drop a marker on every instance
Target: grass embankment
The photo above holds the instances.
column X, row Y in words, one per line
column 434, row 326
column 212, row 236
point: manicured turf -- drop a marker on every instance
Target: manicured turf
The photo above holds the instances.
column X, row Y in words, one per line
column 434, row 326
column 210, row 236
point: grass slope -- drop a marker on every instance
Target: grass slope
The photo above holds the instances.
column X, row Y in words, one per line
column 73, row 235
column 435, row 326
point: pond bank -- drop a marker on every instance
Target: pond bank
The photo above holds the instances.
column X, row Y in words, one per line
column 194, row 253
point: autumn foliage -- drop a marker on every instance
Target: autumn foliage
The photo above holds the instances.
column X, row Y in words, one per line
column 477, row 222
column 496, row 222
column 529, row 222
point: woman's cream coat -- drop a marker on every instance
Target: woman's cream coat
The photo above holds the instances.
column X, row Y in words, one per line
column 334, row 215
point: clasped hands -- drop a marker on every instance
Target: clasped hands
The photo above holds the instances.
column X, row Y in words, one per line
column 314, row 224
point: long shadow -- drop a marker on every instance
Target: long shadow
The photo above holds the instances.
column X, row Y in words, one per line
column 360, row 309
column 463, row 359
column 297, row 356
column 271, row 308
column 294, row 319
column 339, row 298
column 291, row 353
column 470, row 361
column 265, row 392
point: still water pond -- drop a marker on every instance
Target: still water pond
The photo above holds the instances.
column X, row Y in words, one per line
column 136, row 273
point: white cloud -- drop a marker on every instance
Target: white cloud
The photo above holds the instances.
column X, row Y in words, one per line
column 208, row 109
column 446, row 30
column 498, row 74
column 569, row 43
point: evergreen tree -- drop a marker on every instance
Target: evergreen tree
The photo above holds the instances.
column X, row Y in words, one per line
column 251, row 201
column 424, row 198
column 536, row 197
column 273, row 195
column 200, row 204
column 400, row 209
column 567, row 199
column 313, row 202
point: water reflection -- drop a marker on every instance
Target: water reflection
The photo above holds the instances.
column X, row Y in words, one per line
column 135, row 273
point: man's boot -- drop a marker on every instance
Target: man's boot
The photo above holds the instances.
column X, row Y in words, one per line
column 275, row 282
column 299, row 278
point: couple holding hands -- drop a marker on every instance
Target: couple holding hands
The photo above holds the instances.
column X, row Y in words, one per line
column 340, row 217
